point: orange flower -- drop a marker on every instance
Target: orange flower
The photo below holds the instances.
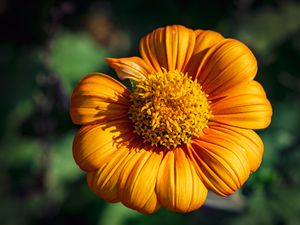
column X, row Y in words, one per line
column 186, row 127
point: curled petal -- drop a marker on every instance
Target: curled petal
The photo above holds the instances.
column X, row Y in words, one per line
column 245, row 107
column 98, row 98
column 178, row 186
column 224, row 65
column 95, row 144
column 137, row 181
column 221, row 163
column 170, row 47
column 133, row 68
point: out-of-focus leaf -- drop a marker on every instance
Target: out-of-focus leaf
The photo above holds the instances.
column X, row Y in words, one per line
column 286, row 115
column 9, row 208
column 277, row 139
column 20, row 164
column 17, row 116
column 73, row 55
column 258, row 211
column 117, row 214
column 62, row 168
column 16, row 152
column 268, row 27
column 18, row 69
column 289, row 197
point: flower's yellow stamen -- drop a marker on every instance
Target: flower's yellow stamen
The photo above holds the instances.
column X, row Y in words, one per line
column 168, row 108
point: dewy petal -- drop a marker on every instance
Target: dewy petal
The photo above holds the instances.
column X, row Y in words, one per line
column 221, row 163
column 94, row 145
column 245, row 107
column 178, row 186
column 169, row 47
column 133, row 68
column 247, row 140
column 98, row 98
column 224, row 65
column 137, row 181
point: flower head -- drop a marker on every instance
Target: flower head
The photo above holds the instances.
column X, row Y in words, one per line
column 168, row 109
column 185, row 128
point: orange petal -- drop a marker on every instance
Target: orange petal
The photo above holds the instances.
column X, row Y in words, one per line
column 178, row 186
column 103, row 181
column 198, row 32
column 133, row 68
column 249, row 142
column 204, row 41
column 94, row 145
column 224, row 66
column 245, row 107
column 221, row 163
column 137, row 181
column 252, row 88
column 169, row 47
column 98, row 98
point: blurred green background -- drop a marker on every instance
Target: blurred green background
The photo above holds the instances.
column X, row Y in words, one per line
column 47, row 46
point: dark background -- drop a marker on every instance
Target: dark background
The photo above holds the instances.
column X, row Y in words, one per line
column 47, row 46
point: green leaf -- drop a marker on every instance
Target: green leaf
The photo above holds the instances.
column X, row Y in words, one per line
column 73, row 55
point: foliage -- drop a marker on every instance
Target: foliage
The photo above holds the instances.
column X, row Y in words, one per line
column 74, row 54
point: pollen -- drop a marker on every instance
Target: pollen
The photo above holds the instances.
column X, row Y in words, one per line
column 169, row 109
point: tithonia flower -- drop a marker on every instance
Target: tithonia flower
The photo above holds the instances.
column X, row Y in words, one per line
column 185, row 128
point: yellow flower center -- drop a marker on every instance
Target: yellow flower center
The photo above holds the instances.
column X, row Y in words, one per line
column 168, row 108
